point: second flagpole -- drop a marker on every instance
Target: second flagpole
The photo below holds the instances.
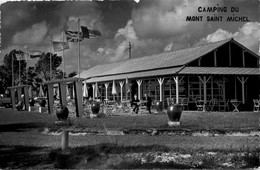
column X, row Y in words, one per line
column 79, row 47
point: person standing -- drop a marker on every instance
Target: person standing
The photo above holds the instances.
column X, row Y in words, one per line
column 148, row 102
column 135, row 103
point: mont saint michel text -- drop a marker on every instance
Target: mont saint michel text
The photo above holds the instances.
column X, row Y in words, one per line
column 214, row 18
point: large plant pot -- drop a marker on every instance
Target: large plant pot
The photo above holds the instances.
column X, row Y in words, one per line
column 158, row 106
column 31, row 102
column 62, row 113
column 174, row 112
column 42, row 103
column 95, row 107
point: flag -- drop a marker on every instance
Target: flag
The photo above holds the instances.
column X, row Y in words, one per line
column 59, row 46
column 20, row 56
column 114, row 88
column 87, row 33
column 73, row 36
column 35, row 54
column 127, row 85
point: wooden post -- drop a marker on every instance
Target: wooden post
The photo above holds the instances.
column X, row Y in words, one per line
column 78, row 98
column 176, row 79
column 139, row 82
column 204, row 81
column 50, row 98
column 243, row 81
column 62, row 90
column 19, row 93
column 243, row 57
column 64, row 140
column 160, row 80
column 12, row 91
column 93, row 89
column 229, row 53
column 215, row 58
column 26, row 97
column 121, row 88
column 106, row 85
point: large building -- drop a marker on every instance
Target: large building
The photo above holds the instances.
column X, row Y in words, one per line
column 221, row 70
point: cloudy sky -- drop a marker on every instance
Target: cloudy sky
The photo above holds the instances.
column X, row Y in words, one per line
column 152, row 26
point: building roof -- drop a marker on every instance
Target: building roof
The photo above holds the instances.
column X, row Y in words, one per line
column 220, row 71
column 164, row 64
column 158, row 61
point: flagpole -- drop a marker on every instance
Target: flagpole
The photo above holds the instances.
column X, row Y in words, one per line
column 50, row 58
column 79, row 48
column 19, row 71
column 26, row 65
column 63, row 54
column 12, row 69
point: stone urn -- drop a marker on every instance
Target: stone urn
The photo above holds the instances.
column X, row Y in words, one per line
column 42, row 103
column 158, row 106
column 31, row 102
column 174, row 113
column 62, row 113
column 95, row 107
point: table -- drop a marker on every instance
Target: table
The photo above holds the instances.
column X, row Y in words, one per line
column 235, row 103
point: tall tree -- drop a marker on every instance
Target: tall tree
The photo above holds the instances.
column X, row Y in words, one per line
column 42, row 67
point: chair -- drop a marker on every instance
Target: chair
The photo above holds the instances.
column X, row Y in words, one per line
column 256, row 105
column 199, row 104
column 212, row 104
column 184, row 103
column 223, row 105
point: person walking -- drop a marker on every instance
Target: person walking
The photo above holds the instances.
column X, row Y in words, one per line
column 148, row 102
column 135, row 103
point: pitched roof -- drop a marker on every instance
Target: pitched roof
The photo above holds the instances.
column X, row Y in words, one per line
column 158, row 61
column 220, row 71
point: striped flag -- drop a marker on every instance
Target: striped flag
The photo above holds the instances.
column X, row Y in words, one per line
column 87, row 33
column 60, row 46
column 73, row 36
column 35, row 54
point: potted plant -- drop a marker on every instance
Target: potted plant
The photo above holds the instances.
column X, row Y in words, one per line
column 174, row 113
column 42, row 103
column 95, row 107
column 62, row 113
column 158, row 106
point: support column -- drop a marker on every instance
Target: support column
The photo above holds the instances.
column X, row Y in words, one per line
column 121, row 88
column 160, row 80
column 139, row 82
column 93, row 89
column 50, row 98
column 229, row 54
column 106, row 85
column 19, row 93
column 26, row 97
column 62, row 90
column 215, row 58
column 78, row 98
column 177, row 80
column 12, row 91
column 204, row 81
column 243, row 81
column 243, row 58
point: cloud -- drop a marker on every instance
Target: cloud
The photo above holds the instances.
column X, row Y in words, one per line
column 168, row 17
column 33, row 35
column 248, row 35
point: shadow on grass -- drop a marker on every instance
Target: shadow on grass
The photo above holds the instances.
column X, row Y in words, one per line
column 22, row 156
column 19, row 127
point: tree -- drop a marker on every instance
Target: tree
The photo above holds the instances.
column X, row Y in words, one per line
column 72, row 74
column 42, row 67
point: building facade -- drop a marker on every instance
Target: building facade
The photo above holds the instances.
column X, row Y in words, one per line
column 222, row 70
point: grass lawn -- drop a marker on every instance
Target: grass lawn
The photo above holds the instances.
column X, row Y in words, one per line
column 189, row 120
column 22, row 145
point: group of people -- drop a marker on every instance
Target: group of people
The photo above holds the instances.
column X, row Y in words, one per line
column 135, row 103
